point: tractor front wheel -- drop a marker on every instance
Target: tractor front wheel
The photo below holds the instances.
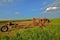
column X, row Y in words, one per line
column 4, row 29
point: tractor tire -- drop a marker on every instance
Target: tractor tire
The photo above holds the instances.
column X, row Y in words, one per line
column 4, row 29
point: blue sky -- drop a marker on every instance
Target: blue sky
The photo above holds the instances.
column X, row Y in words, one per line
column 21, row 9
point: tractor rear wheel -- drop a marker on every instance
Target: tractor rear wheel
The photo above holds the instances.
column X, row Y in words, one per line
column 4, row 29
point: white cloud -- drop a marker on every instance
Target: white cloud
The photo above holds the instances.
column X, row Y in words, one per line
column 17, row 12
column 51, row 8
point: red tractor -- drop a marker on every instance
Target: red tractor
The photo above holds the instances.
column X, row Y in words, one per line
column 41, row 23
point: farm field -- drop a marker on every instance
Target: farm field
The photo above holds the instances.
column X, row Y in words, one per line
column 49, row 32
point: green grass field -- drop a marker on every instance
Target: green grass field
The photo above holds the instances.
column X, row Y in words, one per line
column 50, row 32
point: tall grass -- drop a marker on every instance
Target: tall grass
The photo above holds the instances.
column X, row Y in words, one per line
column 36, row 33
